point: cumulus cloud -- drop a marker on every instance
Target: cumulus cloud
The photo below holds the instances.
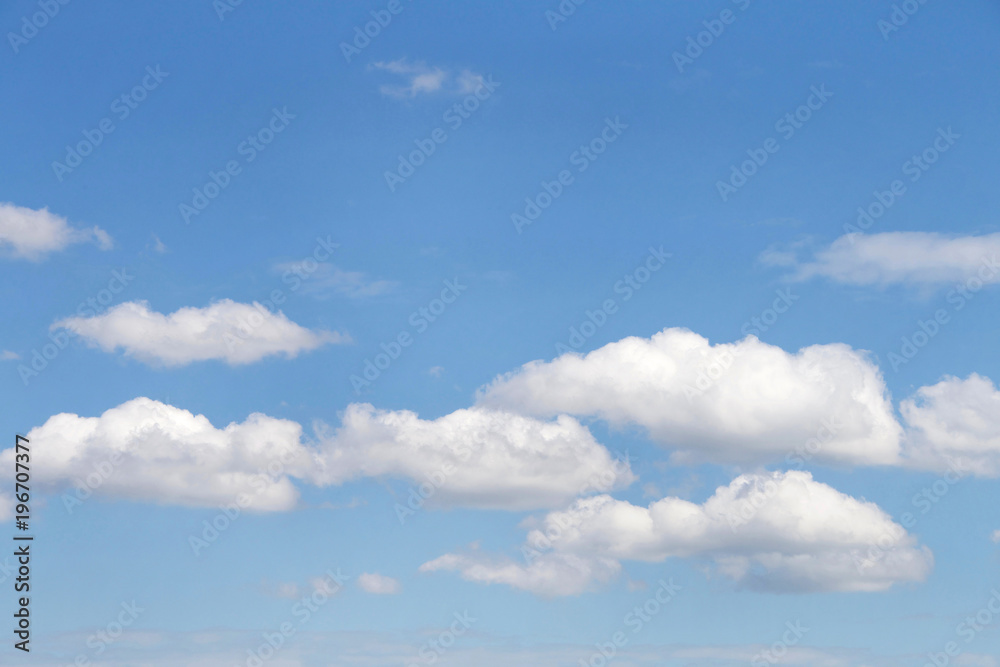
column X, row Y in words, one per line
column 421, row 78
column 780, row 531
column 237, row 333
column 475, row 457
column 745, row 402
column 378, row 584
column 913, row 258
column 31, row 234
column 145, row 450
column 954, row 425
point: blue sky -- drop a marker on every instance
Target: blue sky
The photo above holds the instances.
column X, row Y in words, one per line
column 247, row 163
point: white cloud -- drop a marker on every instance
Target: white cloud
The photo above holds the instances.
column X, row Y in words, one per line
column 550, row 575
column 7, row 355
column 145, row 450
column 954, row 424
column 32, row 234
column 745, row 402
column 421, row 78
column 324, row 277
column 473, row 458
column 6, row 507
column 236, row 333
column 378, row 584
column 158, row 245
column 806, row 537
column 995, row 536
column 915, row 258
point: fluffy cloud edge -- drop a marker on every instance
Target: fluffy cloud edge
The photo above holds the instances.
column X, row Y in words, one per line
column 31, row 234
column 773, row 532
column 225, row 330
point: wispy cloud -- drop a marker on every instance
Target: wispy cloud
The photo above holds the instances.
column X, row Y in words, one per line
column 420, row 78
column 324, row 279
column 910, row 258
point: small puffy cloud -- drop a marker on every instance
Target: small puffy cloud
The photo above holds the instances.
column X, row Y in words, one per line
column 144, row 450
column 159, row 246
column 910, row 258
column 421, row 78
column 995, row 536
column 378, row 584
column 745, row 402
column 6, row 507
column 7, row 355
column 781, row 532
column 31, row 234
column 954, row 425
column 237, row 333
column 476, row 457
